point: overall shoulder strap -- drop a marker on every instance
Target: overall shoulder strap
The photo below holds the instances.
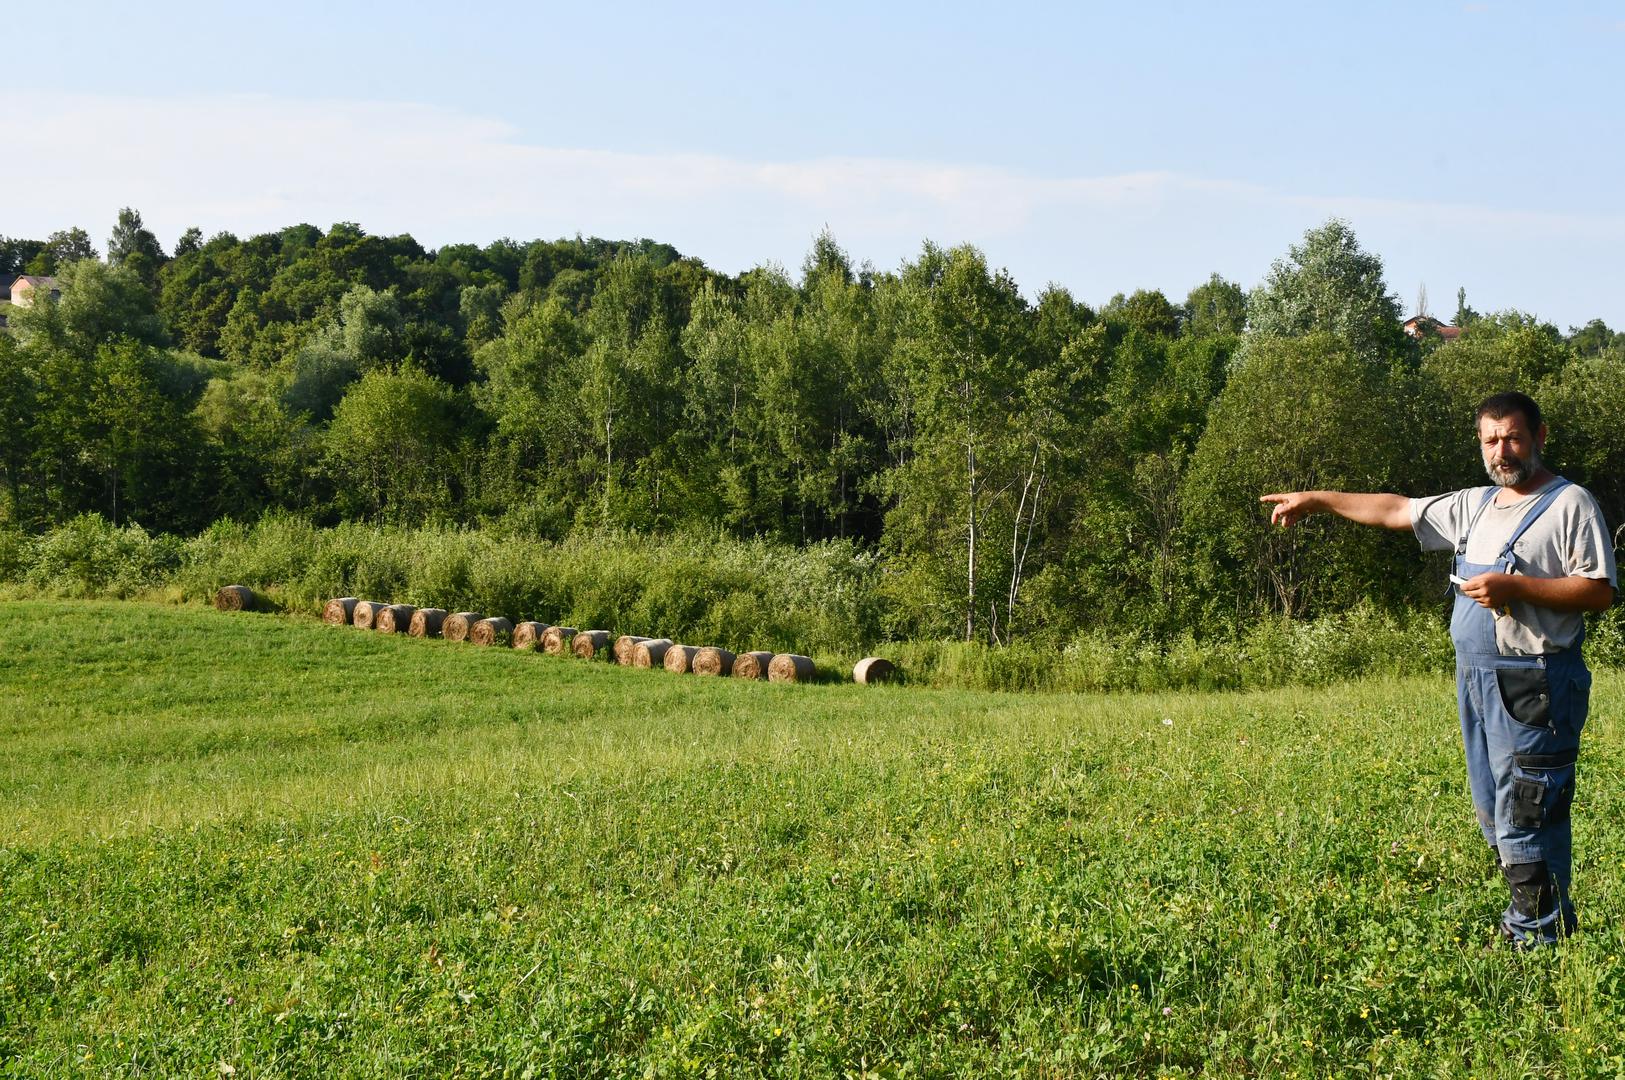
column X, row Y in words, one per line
column 1472, row 522
column 1546, row 499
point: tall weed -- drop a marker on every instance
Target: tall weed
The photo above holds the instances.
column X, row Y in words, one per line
column 700, row 588
column 1272, row 653
column 708, row 588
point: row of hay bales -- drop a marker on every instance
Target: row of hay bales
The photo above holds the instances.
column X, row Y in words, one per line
column 628, row 650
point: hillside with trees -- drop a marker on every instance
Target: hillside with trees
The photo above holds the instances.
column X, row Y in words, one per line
column 1023, row 465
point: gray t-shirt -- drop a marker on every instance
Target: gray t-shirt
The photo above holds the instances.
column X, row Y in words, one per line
column 1568, row 540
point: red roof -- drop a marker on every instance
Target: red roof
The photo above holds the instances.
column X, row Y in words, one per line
column 1417, row 325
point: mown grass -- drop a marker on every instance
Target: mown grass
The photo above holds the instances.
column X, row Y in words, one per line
column 257, row 843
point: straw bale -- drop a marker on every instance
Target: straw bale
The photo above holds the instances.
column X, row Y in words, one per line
column 365, row 612
column 393, row 619
column 556, row 640
column 790, row 667
column 625, row 647
column 651, row 652
column 752, row 665
column 713, row 661
column 458, row 624
column 339, row 611
column 874, row 669
column 427, row 621
column 235, row 598
column 493, row 631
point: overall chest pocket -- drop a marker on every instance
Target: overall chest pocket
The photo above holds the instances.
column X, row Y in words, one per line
column 1526, row 694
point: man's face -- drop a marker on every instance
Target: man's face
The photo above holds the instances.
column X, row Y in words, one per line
column 1511, row 450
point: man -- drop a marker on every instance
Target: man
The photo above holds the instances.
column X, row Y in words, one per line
column 1532, row 554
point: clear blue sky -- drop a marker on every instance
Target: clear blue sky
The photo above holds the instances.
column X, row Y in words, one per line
column 1104, row 147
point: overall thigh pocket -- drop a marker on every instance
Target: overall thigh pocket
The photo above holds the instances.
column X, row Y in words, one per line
column 1542, row 788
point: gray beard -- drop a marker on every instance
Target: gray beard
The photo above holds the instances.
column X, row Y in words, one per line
column 1516, row 472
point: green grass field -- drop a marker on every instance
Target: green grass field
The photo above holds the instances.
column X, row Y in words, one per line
column 256, row 846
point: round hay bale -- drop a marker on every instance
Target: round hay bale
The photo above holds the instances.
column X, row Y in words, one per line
column 650, row 652
column 874, row 669
column 492, row 631
column 339, row 611
column 712, row 661
column 457, row 625
column 680, row 659
column 365, row 612
column 528, row 635
column 235, row 598
column 394, row 619
column 587, row 644
column 556, row 640
column 790, row 667
column 752, row 665
column 626, row 646
column 427, row 621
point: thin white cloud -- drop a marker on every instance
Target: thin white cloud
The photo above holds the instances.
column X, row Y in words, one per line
column 256, row 163
column 262, row 159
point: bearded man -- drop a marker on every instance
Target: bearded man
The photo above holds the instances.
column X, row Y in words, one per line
column 1532, row 555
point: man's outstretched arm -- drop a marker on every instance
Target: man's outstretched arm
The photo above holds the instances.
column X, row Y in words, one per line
column 1386, row 511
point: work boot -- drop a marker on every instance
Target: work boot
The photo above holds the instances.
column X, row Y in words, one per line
column 1535, row 899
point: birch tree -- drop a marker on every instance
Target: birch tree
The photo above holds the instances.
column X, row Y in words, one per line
column 960, row 359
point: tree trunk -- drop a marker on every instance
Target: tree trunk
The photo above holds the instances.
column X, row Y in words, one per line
column 970, row 549
column 609, row 460
column 1018, row 549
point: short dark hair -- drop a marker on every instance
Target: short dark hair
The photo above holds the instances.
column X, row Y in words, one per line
column 1502, row 405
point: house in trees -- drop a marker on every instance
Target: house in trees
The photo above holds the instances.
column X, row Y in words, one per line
column 1421, row 326
column 24, row 288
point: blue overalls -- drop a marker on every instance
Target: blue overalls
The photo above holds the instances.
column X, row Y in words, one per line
column 1520, row 723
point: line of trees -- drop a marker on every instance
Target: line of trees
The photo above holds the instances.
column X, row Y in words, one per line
column 1025, row 467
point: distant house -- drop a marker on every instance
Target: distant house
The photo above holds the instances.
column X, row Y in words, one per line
column 23, row 289
column 1421, row 326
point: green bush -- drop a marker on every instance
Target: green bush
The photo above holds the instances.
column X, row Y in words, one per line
column 1605, row 638
column 89, row 556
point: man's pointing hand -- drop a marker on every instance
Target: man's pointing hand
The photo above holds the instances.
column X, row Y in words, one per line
column 1290, row 507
